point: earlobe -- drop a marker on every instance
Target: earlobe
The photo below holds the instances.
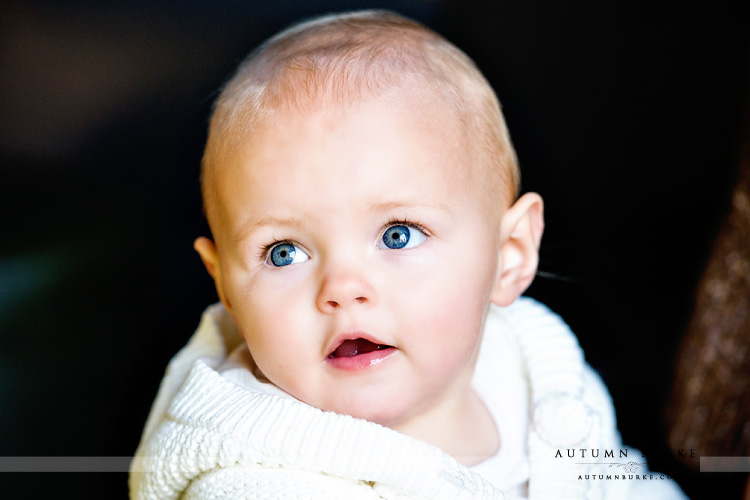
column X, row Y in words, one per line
column 521, row 231
column 210, row 257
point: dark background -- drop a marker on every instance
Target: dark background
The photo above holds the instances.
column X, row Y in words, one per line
column 627, row 118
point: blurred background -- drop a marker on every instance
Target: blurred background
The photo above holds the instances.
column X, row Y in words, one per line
column 627, row 117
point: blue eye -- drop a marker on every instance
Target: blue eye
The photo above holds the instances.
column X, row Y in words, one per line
column 401, row 236
column 284, row 254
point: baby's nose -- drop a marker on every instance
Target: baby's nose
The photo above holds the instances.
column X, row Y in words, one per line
column 345, row 289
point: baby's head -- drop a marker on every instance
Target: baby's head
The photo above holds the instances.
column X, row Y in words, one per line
column 360, row 186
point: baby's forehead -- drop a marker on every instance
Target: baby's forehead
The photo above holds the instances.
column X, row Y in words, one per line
column 369, row 135
column 445, row 136
column 330, row 119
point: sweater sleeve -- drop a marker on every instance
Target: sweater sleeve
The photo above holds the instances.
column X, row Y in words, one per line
column 254, row 482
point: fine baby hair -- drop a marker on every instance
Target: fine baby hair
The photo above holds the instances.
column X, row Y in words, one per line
column 338, row 59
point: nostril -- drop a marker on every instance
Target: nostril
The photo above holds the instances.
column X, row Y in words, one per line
column 332, row 304
column 361, row 299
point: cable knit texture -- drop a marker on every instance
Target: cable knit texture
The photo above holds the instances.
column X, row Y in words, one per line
column 208, row 438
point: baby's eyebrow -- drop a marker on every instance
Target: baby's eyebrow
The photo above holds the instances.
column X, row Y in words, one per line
column 251, row 225
column 248, row 227
column 388, row 206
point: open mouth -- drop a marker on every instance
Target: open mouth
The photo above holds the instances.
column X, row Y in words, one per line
column 355, row 347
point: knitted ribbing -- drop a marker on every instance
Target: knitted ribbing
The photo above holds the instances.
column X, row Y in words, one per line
column 252, row 428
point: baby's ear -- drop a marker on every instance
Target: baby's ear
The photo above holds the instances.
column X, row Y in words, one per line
column 210, row 257
column 521, row 231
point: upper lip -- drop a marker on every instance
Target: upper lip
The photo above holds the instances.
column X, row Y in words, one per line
column 337, row 340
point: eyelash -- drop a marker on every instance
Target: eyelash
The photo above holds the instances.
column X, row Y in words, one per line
column 404, row 222
column 264, row 251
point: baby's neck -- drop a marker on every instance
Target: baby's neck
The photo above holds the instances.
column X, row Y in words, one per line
column 465, row 430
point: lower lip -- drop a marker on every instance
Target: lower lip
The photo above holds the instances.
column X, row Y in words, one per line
column 362, row 361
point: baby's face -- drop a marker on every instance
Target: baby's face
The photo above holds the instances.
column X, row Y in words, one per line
column 357, row 257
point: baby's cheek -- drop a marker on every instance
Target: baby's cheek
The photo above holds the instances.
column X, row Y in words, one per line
column 279, row 322
column 460, row 309
column 455, row 316
column 268, row 293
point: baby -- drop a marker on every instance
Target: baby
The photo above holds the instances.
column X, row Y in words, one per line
column 369, row 253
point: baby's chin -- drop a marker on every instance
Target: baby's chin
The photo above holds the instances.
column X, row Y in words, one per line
column 382, row 411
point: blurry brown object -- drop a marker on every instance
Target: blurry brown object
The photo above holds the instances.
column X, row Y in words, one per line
column 710, row 408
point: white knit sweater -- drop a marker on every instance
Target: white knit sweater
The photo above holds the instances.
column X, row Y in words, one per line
column 207, row 438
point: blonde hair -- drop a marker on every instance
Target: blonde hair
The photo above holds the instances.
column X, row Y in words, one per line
column 344, row 58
